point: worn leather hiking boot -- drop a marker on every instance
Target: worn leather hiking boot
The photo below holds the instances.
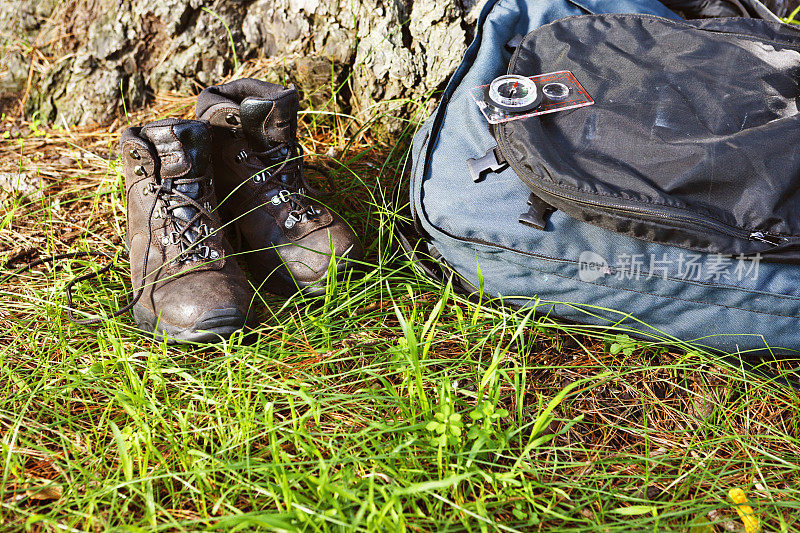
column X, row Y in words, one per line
column 192, row 289
column 290, row 238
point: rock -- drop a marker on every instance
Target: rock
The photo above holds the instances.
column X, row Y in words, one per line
column 652, row 493
column 387, row 52
column 20, row 184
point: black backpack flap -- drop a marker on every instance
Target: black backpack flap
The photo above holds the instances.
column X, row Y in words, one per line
column 693, row 138
column 732, row 8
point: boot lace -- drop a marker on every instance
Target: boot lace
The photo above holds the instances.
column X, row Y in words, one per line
column 189, row 232
column 283, row 170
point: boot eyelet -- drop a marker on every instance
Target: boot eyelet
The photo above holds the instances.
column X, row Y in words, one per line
column 292, row 219
column 213, row 254
column 232, row 119
column 139, row 170
column 282, row 197
column 165, row 240
column 134, row 153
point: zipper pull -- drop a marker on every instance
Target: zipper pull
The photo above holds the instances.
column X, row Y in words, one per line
column 760, row 236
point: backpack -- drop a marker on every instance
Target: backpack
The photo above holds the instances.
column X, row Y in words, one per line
column 621, row 213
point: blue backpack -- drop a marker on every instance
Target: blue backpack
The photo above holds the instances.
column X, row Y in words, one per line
column 572, row 267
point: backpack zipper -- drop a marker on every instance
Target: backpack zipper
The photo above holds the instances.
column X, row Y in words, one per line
column 672, row 215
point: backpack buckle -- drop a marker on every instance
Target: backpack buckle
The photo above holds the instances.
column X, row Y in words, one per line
column 492, row 161
column 537, row 214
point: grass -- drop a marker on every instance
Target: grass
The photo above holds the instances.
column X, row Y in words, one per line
column 394, row 403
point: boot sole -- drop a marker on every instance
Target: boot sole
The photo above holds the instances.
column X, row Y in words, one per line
column 211, row 327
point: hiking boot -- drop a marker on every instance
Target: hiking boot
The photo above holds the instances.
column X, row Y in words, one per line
column 291, row 239
column 191, row 288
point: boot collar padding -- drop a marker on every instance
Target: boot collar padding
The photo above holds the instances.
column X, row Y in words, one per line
column 178, row 143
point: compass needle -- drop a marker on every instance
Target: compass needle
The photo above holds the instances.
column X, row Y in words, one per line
column 513, row 93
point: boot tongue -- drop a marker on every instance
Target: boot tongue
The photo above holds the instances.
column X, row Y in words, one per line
column 270, row 120
column 183, row 148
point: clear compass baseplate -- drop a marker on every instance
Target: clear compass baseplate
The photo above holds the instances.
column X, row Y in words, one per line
column 513, row 97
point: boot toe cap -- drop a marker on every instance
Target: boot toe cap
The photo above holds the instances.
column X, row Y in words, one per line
column 196, row 312
column 308, row 260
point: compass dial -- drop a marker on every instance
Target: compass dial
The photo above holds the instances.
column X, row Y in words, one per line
column 513, row 93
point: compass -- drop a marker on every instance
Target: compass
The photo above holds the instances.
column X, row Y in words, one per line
column 513, row 93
